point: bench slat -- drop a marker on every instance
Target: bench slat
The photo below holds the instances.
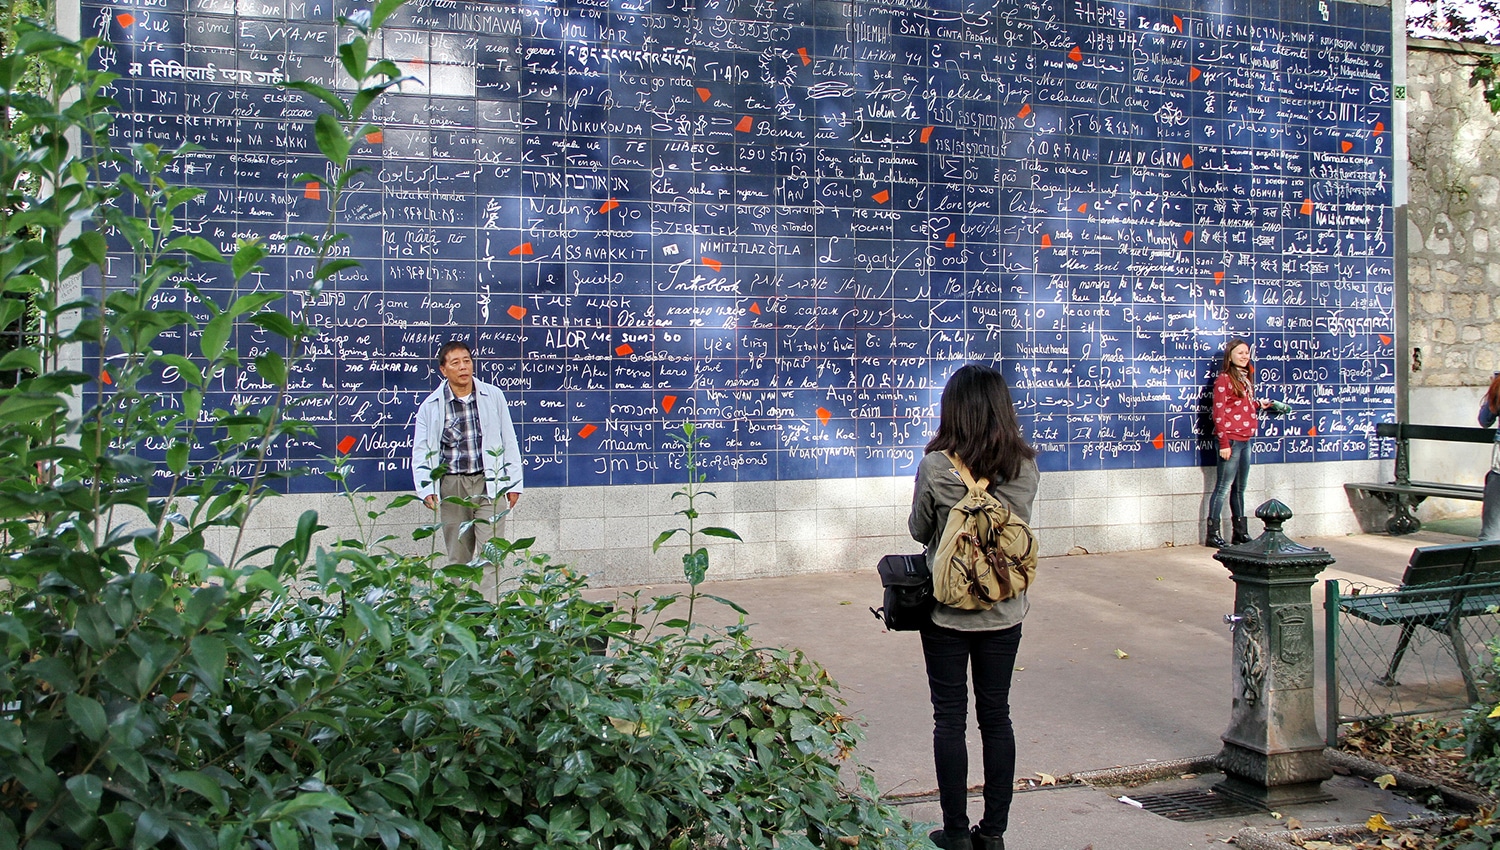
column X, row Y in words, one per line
column 1441, row 433
column 1431, row 489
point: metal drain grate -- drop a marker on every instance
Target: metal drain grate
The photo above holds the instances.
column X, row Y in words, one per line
column 1193, row 805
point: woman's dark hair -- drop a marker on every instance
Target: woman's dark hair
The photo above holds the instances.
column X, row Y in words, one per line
column 978, row 423
column 1492, row 395
column 1239, row 378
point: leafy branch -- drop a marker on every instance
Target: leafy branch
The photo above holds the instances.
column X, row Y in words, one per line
column 695, row 559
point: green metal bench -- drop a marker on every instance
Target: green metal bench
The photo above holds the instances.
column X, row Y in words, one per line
column 1442, row 585
column 1403, row 495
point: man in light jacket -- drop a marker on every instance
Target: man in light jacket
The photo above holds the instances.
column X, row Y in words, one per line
column 465, row 454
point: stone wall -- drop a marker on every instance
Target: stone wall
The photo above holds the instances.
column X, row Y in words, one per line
column 1453, row 244
column 1453, row 221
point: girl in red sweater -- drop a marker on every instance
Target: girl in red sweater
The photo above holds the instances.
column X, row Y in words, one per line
column 1235, row 409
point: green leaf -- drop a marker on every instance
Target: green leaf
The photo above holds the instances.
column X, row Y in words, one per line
column 202, row 785
column 271, row 367
column 663, row 537
column 320, row 93
column 695, row 565
column 246, row 256
column 374, row 622
column 333, row 267
column 332, row 141
column 311, row 802
column 29, row 408
column 88, row 715
column 177, row 458
column 87, row 791
column 212, row 657
column 715, row 531
column 196, row 246
column 275, row 323
column 216, row 336
column 150, row 828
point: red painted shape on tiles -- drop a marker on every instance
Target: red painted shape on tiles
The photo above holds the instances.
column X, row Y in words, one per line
column 712, row 263
column 806, row 60
column 824, row 415
column 1187, row 160
column 1025, row 110
column 1194, row 73
column 1307, row 206
column 1161, row 440
column 585, row 431
column 523, row 249
column 1083, row 208
column 1075, row 54
column 624, row 350
column 125, row 19
column 926, row 134
column 1379, row 127
column 746, row 124
column 1187, row 238
column 1177, row 22
column 1312, row 432
column 375, row 137
column 516, row 312
column 313, row 190
column 105, row 376
column 609, row 205
column 1385, row 339
column 1046, row 240
column 881, row 197
column 1345, row 145
column 1218, row 277
column 704, row 94
column 667, row 401
column 951, row 240
column 755, row 307
column 346, row 444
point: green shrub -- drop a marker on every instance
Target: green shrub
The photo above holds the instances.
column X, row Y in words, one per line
column 159, row 691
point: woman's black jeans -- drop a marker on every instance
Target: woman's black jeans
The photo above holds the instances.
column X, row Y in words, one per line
column 992, row 655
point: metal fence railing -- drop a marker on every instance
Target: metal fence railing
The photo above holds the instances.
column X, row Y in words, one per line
column 1394, row 652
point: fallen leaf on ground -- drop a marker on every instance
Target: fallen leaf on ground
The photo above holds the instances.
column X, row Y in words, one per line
column 1047, row 778
column 1385, row 780
column 1377, row 823
column 1293, row 823
column 1120, row 653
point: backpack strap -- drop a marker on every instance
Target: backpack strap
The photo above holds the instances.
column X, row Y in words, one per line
column 966, row 476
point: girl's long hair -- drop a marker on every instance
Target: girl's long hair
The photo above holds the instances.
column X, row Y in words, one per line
column 1239, row 378
column 978, row 423
column 1492, row 395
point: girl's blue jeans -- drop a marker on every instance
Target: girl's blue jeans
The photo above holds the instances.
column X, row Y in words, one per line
column 1232, row 474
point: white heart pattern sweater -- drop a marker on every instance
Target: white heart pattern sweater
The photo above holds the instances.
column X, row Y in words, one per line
column 1234, row 414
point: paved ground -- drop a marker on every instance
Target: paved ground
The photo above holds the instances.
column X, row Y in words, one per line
column 1078, row 706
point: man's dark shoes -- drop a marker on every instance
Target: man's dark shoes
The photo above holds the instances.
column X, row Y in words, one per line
column 987, row 842
column 942, row 838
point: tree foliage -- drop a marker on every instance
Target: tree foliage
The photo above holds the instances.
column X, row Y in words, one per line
column 165, row 684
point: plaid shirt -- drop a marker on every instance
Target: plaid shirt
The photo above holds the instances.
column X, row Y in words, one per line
column 461, row 435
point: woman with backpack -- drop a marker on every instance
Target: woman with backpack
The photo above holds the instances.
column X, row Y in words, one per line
column 978, row 424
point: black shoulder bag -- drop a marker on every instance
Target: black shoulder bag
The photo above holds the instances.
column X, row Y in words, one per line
column 908, row 592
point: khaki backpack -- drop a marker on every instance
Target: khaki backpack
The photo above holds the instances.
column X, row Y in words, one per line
column 986, row 553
